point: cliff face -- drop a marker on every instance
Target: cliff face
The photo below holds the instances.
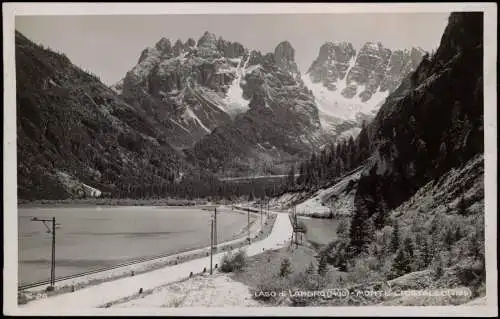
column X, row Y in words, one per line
column 433, row 121
column 350, row 85
column 233, row 110
column 281, row 124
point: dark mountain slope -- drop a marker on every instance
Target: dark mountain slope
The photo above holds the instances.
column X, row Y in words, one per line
column 415, row 194
column 74, row 130
column 435, row 123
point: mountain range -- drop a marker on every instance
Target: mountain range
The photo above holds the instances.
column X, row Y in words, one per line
column 236, row 111
column 210, row 107
column 350, row 85
column 231, row 109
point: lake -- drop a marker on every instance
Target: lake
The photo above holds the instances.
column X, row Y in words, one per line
column 320, row 231
column 95, row 237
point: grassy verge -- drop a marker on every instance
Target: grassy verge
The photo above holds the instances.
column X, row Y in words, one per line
column 291, row 276
column 278, row 277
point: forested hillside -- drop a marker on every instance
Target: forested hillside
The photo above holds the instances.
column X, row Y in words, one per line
column 419, row 200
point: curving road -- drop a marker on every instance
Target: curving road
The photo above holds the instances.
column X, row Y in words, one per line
column 140, row 264
column 101, row 294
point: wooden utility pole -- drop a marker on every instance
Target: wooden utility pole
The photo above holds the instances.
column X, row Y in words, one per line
column 295, row 227
column 215, row 228
column 248, row 224
column 53, row 255
column 261, row 214
column 211, row 242
column 53, row 265
column 268, row 207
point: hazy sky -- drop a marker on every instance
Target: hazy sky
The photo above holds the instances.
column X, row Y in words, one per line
column 111, row 45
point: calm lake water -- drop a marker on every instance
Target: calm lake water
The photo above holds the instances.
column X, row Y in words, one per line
column 321, row 231
column 96, row 237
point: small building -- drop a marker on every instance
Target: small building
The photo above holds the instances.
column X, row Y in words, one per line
column 88, row 191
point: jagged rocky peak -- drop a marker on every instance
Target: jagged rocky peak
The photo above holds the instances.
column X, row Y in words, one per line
column 284, row 56
column 164, row 46
column 416, row 55
column 178, row 47
column 190, row 43
column 213, row 82
column 230, row 49
column 360, row 75
column 332, row 63
column 368, row 71
column 144, row 54
column 207, row 44
column 207, row 38
column 350, row 83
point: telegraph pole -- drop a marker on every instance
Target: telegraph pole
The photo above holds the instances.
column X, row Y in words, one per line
column 53, row 265
column 53, row 255
column 215, row 227
column 268, row 200
column 296, row 226
column 261, row 203
column 248, row 223
column 211, row 242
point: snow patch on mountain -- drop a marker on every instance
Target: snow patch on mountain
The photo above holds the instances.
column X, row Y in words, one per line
column 235, row 102
column 189, row 114
column 334, row 104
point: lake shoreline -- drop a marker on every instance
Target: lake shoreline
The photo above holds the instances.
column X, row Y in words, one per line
column 93, row 236
column 167, row 202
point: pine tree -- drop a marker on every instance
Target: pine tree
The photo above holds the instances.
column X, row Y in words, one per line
column 438, row 267
column 322, row 266
column 342, row 228
column 285, row 268
column 408, row 247
column 462, row 206
column 291, row 177
column 350, row 154
column 401, row 264
column 395, row 238
column 363, row 148
column 380, row 218
column 448, row 238
column 426, row 253
column 360, row 230
column 302, row 171
column 474, row 246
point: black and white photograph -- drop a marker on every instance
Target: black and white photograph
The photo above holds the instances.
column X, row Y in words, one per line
column 250, row 159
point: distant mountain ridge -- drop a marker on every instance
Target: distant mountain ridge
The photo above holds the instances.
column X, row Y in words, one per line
column 351, row 84
column 233, row 110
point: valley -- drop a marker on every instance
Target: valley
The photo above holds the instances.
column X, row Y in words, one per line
column 378, row 153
